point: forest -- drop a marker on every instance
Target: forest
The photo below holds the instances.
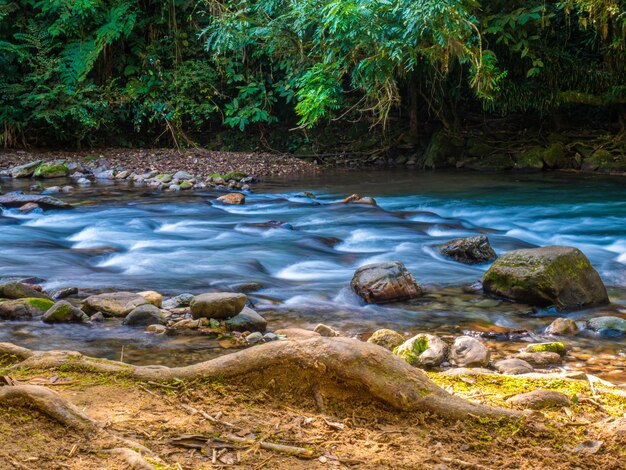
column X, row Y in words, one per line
column 292, row 76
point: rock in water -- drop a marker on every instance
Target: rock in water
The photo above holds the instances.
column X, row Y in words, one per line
column 24, row 171
column 472, row 250
column 469, row 352
column 607, row 323
column 144, row 315
column 553, row 275
column 217, row 305
column 388, row 339
column 246, row 320
column 114, row 304
column 46, row 202
column 423, row 350
column 54, row 169
column 554, row 347
column 232, row 198
column 64, row 312
column 24, row 308
column 562, row 327
column 152, row 297
column 19, row 290
column 385, row 282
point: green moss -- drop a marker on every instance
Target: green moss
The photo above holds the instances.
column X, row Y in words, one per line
column 186, row 185
column 39, row 304
column 235, row 175
column 51, row 170
column 556, row 347
column 411, row 350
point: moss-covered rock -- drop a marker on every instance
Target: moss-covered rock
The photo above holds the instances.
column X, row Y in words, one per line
column 554, row 347
column 234, row 175
column 64, row 312
column 23, row 308
column 423, row 350
column 24, row 171
column 184, row 185
column 388, row 339
column 531, row 159
column 554, row 156
column 19, row 290
column 54, row 169
column 557, row 276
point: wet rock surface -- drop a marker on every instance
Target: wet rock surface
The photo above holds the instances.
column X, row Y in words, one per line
column 471, row 250
column 385, row 282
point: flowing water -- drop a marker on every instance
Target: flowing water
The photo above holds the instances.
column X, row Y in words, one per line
column 135, row 239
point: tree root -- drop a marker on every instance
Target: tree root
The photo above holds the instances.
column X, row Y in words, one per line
column 342, row 366
column 134, row 459
column 51, row 404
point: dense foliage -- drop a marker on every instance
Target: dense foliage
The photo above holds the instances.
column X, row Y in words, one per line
column 178, row 71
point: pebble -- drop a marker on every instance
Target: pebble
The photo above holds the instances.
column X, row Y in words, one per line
column 255, row 337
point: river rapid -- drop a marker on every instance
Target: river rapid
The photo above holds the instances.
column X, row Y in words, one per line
column 298, row 251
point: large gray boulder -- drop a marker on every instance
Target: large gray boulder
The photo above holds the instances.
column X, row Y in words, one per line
column 246, row 320
column 219, row 305
column 113, row 304
column 559, row 276
column 471, row 250
column 19, row 290
column 24, row 309
column 144, row 315
column 385, row 282
column 64, row 312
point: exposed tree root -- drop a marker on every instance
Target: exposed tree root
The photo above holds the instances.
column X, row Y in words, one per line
column 51, row 404
column 134, row 459
column 340, row 366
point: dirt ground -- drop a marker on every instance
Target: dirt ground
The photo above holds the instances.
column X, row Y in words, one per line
column 198, row 162
column 187, row 424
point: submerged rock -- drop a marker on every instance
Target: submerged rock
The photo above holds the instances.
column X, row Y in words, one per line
column 144, row 315
column 246, row 320
column 469, row 352
column 24, row 309
column 388, row 339
column 553, row 275
column 562, row 327
column 114, row 304
column 64, row 312
column 607, row 323
column 19, row 290
column 358, row 199
column 24, row 171
column 217, row 305
column 423, row 350
column 385, row 282
column 540, row 399
column 472, row 250
column 554, row 347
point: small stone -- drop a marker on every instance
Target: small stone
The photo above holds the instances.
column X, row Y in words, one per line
column 182, row 176
column 471, row 250
column 357, row 199
column 388, row 339
column 152, row 297
column 469, row 352
column 29, row 207
column 543, row 358
column 513, row 367
column 540, row 399
column 325, row 330
column 270, row 337
column 254, row 337
column 122, row 175
column 232, row 198
column 246, row 320
column 97, row 317
column 423, row 350
column 562, row 327
column 182, row 300
column 218, row 305
column 64, row 293
column 64, row 312
column 158, row 329
column 607, row 323
column 83, row 182
column 144, row 315
column 555, row 347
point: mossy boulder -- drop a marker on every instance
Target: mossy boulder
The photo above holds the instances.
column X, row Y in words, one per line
column 423, row 350
column 24, row 308
column 531, row 159
column 234, row 176
column 64, row 312
column 554, row 156
column 19, row 290
column 559, row 276
column 554, row 347
column 56, row 169
column 385, row 282
column 388, row 339
column 184, row 185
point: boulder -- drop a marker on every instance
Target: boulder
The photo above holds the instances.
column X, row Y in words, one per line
column 557, row 276
column 540, row 399
column 17, row 199
column 513, row 366
column 19, row 290
column 64, row 312
column 152, row 297
column 55, row 169
column 113, row 304
column 385, row 282
column 472, row 250
column 232, row 198
column 22, row 309
column 246, row 320
column 24, row 171
column 469, row 352
column 144, row 315
column 423, row 350
column 388, row 339
column 562, row 327
column 605, row 323
column 218, row 305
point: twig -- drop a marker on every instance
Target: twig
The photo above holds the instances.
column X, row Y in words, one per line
column 285, row 449
column 193, row 411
